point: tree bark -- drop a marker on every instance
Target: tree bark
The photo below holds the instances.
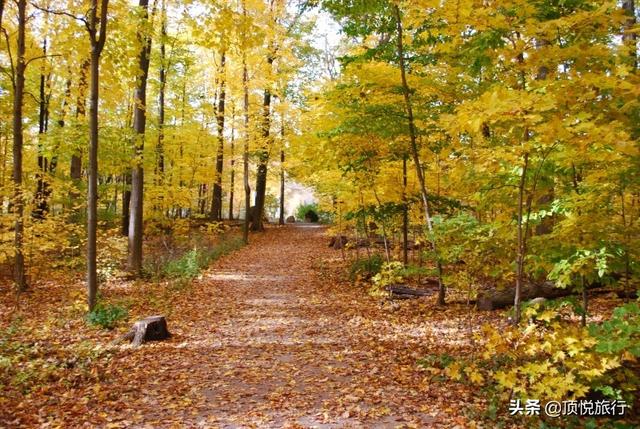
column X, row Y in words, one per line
column 1, row 11
column 245, row 155
column 247, row 137
column 282, row 158
column 161, row 96
column 97, row 39
column 216, row 202
column 232, row 184
column 126, row 204
column 521, row 243
column 42, row 188
column 263, row 159
column 19, row 276
column 405, row 214
column 61, row 123
column 137, row 173
column 76, row 158
column 414, row 152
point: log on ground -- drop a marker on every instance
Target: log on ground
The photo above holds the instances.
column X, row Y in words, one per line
column 401, row 292
column 496, row 299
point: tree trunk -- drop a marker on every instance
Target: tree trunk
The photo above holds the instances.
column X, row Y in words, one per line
column 521, row 238
column 261, row 177
column 282, row 157
column 161, row 96
column 232, row 184
column 245, row 155
column 97, row 44
column 19, row 276
column 41, row 195
column 137, row 173
column 61, row 123
column 92, row 190
column 405, row 214
column 416, row 158
column 247, row 137
column 1, row 11
column 216, row 202
column 126, row 204
column 76, row 158
column 282, row 183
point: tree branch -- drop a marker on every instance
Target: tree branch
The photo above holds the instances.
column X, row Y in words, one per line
column 61, row 13
column 102, row 35
column 41, row 57
column 13, row 70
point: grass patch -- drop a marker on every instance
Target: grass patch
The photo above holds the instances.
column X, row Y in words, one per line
column 365, row 268
column 184, row 268
column 107, row 316
column 26, row 365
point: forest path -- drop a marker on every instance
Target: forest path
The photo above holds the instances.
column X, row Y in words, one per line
column 273, row 336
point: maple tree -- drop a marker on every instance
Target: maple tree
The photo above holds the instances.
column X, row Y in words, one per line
column 459, row 149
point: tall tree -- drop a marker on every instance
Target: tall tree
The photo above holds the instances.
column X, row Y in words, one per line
column 19, row 276
column 161, row 93
column 42, row 187
column 1, row 11
column 282, row 183
column 139, row 127
column 263, row 159
column 414, row 151
column 76, row 156
column 263, row 152
column 232, row 182
column 216, row 202
column 247, row 135
column 97, row 28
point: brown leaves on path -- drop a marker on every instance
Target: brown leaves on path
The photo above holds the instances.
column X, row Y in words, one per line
column 270, row 336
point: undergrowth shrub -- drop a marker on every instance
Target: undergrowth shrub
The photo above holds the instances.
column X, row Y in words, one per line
column 365, row 268
column 187, row 266
column 391, row 273
column 319, row 215
column 552, row 358
column 107, row 316
column 184, row 268
column 24, row 366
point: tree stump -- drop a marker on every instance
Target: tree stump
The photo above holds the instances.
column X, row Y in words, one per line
column 152, row 328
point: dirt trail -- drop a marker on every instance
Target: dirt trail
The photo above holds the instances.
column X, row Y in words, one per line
column 272, row 336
